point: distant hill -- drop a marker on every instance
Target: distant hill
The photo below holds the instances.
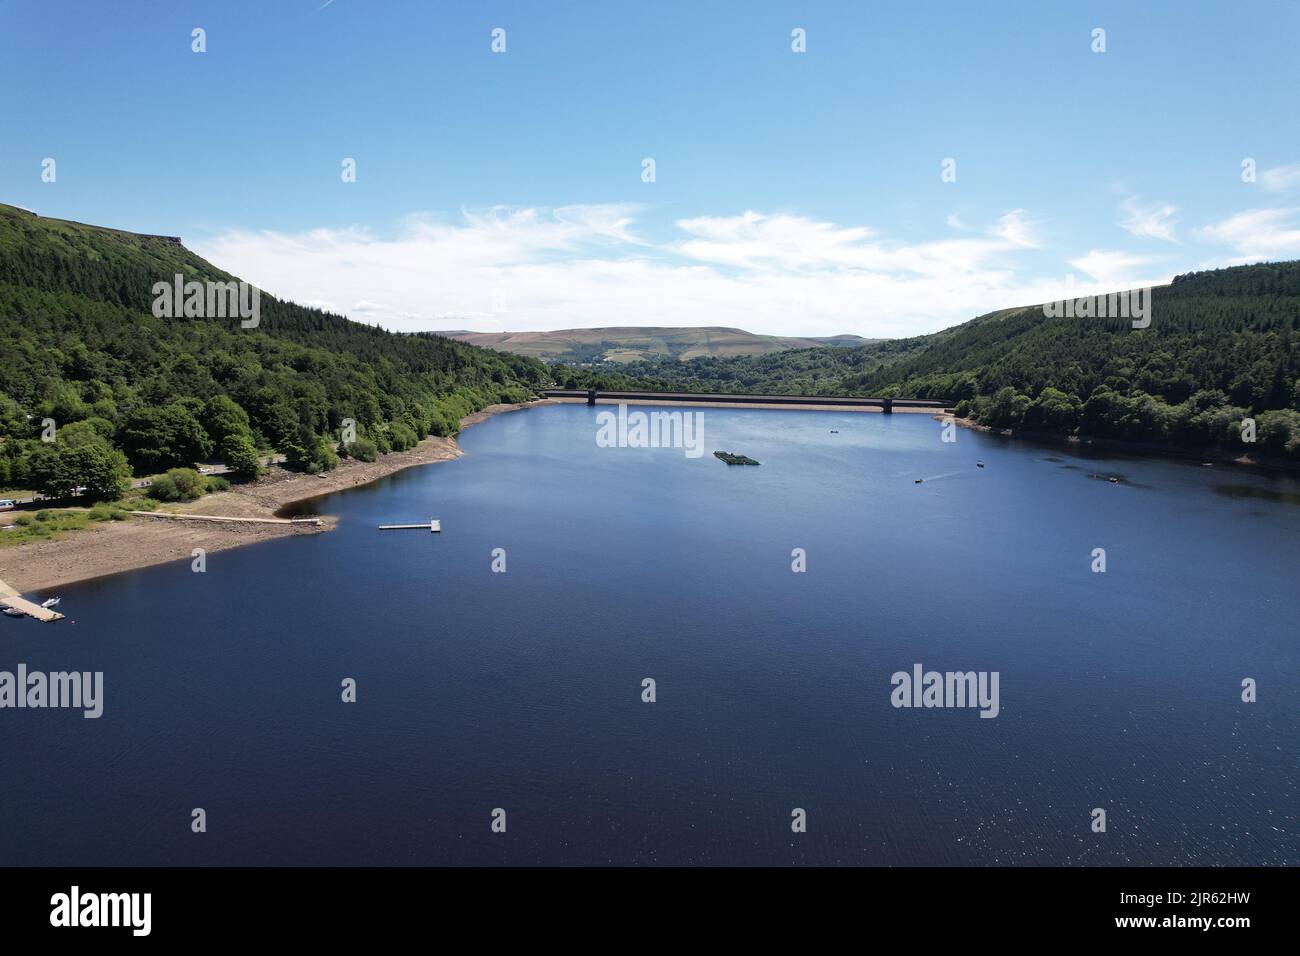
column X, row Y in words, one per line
column 632, row 344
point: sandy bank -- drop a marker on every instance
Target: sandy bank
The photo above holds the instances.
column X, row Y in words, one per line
column 114, row 547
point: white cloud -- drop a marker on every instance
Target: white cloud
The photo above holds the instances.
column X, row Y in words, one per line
column 1114, row 269
column 1280, row 179
column 582, row 266
column 1017, row 230
column 1257, row 234
column 796, row 246
column 782, row 242
column 1149, row 222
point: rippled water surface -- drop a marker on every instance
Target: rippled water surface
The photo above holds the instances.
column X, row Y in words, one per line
column 522, row 691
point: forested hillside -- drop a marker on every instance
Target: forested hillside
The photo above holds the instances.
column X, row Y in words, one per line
column 1220, row 347
column 82, row 347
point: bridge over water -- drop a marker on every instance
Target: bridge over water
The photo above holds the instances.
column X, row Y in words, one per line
column 886, row 405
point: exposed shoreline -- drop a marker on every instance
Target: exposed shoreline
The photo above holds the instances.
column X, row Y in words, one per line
column 141, row 542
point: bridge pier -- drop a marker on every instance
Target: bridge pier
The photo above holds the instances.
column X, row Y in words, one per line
column 591, row 396
column 888, row 406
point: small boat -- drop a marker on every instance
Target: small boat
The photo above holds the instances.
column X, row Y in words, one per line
column 13, row 612
column 918, row 481
column 1113, row 480
column 50, row 602
column 979, row 464
column 835, row 431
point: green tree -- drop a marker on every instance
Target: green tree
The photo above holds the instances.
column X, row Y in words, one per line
column 241, row 457
column 13, row 420
column 1279, row 431
column 222, row 418
column 1103, row 413
column 1053, row 411
column 179, row 484
column 274, row 417
column 402, row 436
column 88, row 431
column 57, row 471
column 363, row 449
column 312, row 454
column 1007, row 408
column 157, row 438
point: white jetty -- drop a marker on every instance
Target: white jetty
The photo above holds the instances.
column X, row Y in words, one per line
column 433, row 525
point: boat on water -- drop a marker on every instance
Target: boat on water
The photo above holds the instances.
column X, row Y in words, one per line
column 979, row 464
column 13, row 612
column 50, row 602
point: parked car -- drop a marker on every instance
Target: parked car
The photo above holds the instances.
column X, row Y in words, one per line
column 7, row 504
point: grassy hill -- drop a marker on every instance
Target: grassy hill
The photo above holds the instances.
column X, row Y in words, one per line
column 82, row 347
column 630, row 344
column 1220, row 348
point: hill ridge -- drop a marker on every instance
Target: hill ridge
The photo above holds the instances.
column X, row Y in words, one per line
column 627, row 343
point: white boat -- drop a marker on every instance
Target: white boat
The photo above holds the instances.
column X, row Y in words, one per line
column 13, row 612
column 50, row 602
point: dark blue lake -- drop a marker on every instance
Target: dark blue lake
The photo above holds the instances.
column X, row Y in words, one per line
column 523, row 690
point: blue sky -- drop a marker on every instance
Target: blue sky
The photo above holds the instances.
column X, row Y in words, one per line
column 794, row 192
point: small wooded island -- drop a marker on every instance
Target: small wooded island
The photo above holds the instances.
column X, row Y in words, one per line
column 731, row 459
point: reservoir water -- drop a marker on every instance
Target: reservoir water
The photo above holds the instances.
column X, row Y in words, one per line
column 522, row 690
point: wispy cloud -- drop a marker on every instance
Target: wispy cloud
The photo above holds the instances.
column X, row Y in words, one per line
column 781, row 242
column 1114, row 269
column 1281, row 179
column 1154, row 221
column 1016, row 228
column 1257, row 234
